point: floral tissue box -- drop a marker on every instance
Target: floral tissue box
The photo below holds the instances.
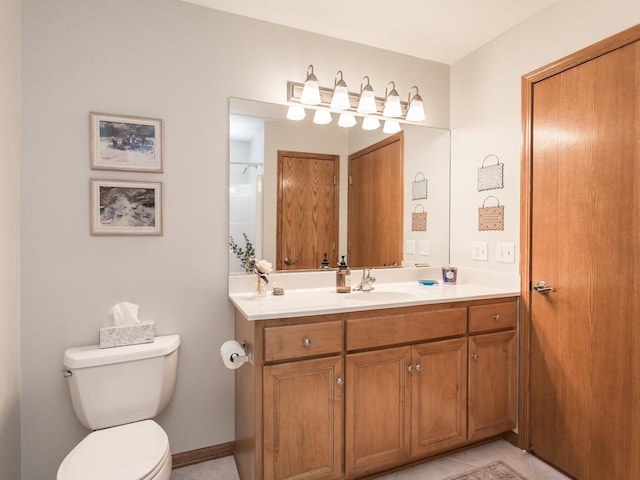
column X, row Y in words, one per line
column 118, row 336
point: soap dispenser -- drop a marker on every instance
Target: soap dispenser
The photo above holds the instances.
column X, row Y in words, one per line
column 343, row 277
column 325, row 263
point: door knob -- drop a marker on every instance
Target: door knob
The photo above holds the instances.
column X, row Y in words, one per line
column 543, row 288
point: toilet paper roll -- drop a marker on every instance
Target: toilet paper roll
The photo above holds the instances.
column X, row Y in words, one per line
column 229, row 349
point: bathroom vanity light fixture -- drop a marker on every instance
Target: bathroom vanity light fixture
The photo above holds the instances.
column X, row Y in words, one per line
column 391, row 126
column 295, row 112
column 340, row 99
column 367, row 102
column 415, row 112
column 349, row 105
column 392, row 106
column 322, row 117
column 311, row 90
column 347, row 120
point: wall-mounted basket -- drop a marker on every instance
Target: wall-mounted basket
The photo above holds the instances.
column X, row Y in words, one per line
column 419, row 187
column 491, row 218
column 490, row 177
column 419, row 219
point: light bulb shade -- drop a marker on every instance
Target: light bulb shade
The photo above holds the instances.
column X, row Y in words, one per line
column 347, row 120
column 295, row 112
column 370, row 123
column 391, row 126
column 340, row 99
column 392, row 106
column 322, row 117
column 415, row 112
column 367, row 103
column 311, row 91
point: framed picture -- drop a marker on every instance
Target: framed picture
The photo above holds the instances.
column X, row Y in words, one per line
column 125, row 143
column 123, row 207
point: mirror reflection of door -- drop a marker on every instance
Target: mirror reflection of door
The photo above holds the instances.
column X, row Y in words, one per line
column 376, row 204
column 307, row 209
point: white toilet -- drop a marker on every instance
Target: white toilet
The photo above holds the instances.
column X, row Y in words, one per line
column 115, row 391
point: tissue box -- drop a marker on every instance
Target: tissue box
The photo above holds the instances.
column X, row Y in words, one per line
column 118, row 336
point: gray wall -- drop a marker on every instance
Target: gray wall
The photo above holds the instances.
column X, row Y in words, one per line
column 180, row 62
column 9, row 240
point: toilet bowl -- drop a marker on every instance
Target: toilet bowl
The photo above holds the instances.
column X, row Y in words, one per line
column 116, row 392
column 136, row 451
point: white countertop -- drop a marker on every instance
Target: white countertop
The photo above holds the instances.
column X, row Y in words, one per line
column 471, row 285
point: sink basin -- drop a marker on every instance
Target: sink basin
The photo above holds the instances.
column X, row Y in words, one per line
column 380, row 296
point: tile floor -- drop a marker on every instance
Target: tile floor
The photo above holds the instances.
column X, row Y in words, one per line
column 529, row 466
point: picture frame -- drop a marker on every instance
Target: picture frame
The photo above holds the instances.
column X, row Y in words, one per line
column 120, row 142
column 126, row 207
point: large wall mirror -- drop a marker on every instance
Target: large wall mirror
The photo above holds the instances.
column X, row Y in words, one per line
column 261, row 138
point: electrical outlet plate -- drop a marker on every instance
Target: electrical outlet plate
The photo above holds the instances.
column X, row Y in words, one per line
column 424, row 247
column 479, row 251
column 410, row 247
column 505, row 252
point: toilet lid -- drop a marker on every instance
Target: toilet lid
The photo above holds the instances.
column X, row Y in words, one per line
column 128, row 452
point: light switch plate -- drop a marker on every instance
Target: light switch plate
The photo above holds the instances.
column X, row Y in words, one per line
column 479, row 251
column 505, row 252
column 424, row 247
column 410, row 247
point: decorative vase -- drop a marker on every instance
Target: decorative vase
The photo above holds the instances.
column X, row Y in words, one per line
column 261, row 288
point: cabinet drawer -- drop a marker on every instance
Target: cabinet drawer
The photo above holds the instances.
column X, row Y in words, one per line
column 304, row 340
column 376, row 330
column 494, row 316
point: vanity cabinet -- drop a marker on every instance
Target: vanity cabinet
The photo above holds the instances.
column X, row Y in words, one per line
column 404, row 401
column 492, row 369
column 349, row 394
column 303, row 419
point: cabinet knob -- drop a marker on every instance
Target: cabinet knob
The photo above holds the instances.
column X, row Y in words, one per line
column 418, row 367
column 410, row 368
column 306, row 342
column 475, row 356
column 339, row 380
column 496, row 317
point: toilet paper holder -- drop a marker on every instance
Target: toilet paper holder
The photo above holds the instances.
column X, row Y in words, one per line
column 247, row 357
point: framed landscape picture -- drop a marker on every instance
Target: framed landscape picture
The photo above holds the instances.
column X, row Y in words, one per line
column 125, row 143
column 122, row 207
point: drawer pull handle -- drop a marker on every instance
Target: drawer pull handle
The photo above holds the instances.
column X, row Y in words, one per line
column 496, row 317
column 306, row 342
column 339, row 380
column 475, row 356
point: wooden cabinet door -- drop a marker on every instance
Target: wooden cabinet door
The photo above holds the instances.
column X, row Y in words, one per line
column 303, row 420
column 377, row 409
column 439, row 396
column 492, row 384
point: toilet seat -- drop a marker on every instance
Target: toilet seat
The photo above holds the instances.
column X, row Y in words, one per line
column 135, row 451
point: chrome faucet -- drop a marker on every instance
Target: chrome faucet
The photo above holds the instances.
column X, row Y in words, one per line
column 366, row 283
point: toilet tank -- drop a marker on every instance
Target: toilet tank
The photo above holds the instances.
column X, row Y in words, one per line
column 114, row 386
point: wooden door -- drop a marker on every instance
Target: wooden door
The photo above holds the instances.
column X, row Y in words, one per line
column 492, row 384
column 377, row 409
column 303, row 421
column 582, row 172
column 375, row 227
column 307, row 209
column 439, row 396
